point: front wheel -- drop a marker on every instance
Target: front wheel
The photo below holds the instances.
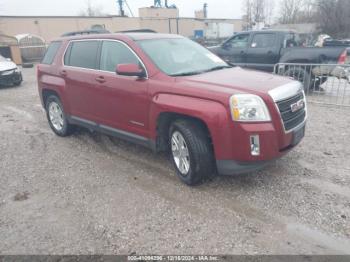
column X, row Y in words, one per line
column 56, row 116
column 191, row 151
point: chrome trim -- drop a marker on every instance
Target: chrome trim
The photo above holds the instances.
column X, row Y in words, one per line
column 301, row 124
column 101, row 40
column 286, row 91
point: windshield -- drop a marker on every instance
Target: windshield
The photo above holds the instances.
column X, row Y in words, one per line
column 181, row 56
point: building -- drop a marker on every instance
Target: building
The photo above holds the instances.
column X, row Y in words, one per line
column 162, row 20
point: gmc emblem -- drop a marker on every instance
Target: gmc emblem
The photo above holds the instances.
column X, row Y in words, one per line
column 297, row 106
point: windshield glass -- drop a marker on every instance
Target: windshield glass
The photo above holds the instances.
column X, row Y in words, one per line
column 181, row 56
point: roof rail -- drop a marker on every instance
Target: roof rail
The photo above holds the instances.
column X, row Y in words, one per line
column 86, row 32
column 138, row 31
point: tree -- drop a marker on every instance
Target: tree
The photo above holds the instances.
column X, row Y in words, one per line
column 333, row 17
column 258, row 11
column 290, row 11
column 91, row 10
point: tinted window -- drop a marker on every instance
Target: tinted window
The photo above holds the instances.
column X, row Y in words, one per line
column 291, row 40
column 82, row 54
column 115, row 53
column 51, row 53
column 239, row 41
column 263, row 40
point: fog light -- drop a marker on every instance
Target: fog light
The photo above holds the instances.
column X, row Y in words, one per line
column 254, row 145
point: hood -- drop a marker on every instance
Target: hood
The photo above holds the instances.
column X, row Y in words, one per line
column 7, row 65
column 236, row 79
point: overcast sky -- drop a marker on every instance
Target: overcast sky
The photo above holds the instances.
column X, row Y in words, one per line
column 216, row 8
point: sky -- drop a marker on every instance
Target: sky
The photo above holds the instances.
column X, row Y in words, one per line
column 216, row 8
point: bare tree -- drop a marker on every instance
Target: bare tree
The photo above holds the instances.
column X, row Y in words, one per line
column 258, row 11
column 290, row 11
column 333, row 17
column 91, row 10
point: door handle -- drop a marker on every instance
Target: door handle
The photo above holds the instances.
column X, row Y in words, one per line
column 100, row 79
column 63, row 73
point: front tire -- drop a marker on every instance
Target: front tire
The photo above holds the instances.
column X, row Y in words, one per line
column 191, row 151
column 56, row 117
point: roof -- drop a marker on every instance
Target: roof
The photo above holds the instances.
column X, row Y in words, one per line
column 133, row 36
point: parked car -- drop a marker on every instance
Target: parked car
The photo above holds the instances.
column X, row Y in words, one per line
column 10, row 74
column 166, row 92
column 262, row 50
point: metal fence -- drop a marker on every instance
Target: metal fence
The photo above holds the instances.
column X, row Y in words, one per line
column 323, row 83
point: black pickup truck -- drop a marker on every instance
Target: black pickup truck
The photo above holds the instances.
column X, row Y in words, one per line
column 262, row 50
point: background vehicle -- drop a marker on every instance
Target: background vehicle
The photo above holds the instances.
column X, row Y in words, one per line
column 168, row 93
column 262, row 50
column 10, row 74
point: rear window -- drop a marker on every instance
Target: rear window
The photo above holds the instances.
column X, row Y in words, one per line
column 51, row 53
column 82, row 54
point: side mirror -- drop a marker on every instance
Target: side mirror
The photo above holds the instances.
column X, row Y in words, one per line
column 8, row 59
column 130, row 70
column 226, row 45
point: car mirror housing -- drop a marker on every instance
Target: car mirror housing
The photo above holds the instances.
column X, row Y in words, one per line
column 130, row 70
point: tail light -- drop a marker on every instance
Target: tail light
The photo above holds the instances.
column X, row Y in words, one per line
column 343, row 57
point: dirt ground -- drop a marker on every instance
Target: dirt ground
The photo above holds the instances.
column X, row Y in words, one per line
column 90, row 193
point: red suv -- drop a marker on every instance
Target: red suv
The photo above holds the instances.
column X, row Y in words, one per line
column 166, row 92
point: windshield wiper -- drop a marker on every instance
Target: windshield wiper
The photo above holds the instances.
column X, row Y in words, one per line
column 188, row 73
column 202, row 71
column 216, row 68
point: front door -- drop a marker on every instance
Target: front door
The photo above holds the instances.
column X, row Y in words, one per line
column 263, row 52
column 122, row 102
column 234, row 50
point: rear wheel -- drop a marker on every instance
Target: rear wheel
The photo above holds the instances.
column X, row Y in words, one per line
column 191, row 151
column 56, row 116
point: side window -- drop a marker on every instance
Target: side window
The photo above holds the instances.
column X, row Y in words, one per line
column 263, row 40
column 290, row 40
column 82, row 54
column 114, row 53
column 51, row 53
column 239, row 41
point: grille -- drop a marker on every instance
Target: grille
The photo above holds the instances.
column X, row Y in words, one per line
column 291, row 119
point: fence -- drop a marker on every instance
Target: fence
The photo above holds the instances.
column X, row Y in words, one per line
column 323, row 83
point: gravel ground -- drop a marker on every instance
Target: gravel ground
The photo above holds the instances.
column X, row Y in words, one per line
column 90, row 193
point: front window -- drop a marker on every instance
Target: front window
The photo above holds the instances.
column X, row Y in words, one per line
column 181, row 56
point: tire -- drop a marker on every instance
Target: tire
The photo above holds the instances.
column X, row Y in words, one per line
column 57, row 118
column 300, row 74
column 17, row 83
column 200, row 157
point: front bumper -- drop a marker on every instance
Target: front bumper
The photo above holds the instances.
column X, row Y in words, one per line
column 273, row 145
column 14, row 78
column 230, row 167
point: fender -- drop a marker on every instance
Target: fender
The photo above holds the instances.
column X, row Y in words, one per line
column 212, row 113
column 57, row 84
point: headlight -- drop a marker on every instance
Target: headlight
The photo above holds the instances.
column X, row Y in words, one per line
column 17, row 70
column 248, row 108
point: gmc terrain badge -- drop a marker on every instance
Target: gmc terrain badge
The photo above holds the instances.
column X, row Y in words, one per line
column 297, row 106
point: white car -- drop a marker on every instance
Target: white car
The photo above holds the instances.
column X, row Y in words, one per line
column 10, row 74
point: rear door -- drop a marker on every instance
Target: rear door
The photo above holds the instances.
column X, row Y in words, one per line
column 122, row 102
column 263, row 51
column 79, row 71
column 234, row 50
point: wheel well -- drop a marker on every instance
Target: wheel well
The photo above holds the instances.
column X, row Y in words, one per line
column 163, row 125
column 46, row 93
